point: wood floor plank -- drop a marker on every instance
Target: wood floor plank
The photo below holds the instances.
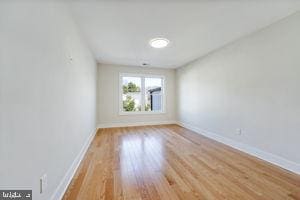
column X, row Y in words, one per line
column 171, row 162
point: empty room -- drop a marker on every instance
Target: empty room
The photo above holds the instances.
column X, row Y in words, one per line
column 149, row 99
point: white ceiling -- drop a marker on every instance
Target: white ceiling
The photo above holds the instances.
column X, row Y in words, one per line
column 118, row 31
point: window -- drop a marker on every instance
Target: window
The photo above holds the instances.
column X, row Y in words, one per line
column 141, row 94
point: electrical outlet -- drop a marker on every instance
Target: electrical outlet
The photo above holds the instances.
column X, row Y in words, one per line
column 239, row 131
column 43, row 183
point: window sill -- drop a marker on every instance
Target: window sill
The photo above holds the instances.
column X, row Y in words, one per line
column 142, row 113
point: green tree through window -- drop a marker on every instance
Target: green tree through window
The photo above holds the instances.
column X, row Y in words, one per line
column 131, row 87
column 129, row 104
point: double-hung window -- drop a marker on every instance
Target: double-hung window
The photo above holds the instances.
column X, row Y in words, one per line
column 141, row 94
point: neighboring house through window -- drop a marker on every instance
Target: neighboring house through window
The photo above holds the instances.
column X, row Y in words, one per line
column 141, row 94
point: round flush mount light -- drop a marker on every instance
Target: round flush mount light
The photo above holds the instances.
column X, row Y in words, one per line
column 159, row 43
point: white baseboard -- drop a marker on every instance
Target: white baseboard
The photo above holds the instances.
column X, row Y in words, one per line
column 274, row 159
column 63, row 185
column 111, row 125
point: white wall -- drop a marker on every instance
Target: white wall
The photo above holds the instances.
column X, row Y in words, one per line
column 47, row 102
column 108, row 96
column 252, row 84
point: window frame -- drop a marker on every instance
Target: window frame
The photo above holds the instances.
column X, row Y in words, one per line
column 143, row 94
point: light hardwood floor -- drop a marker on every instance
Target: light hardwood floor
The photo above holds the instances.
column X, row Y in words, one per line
column 171, row 162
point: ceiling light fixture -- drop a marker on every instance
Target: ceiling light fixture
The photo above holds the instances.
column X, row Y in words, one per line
column 159, row 43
